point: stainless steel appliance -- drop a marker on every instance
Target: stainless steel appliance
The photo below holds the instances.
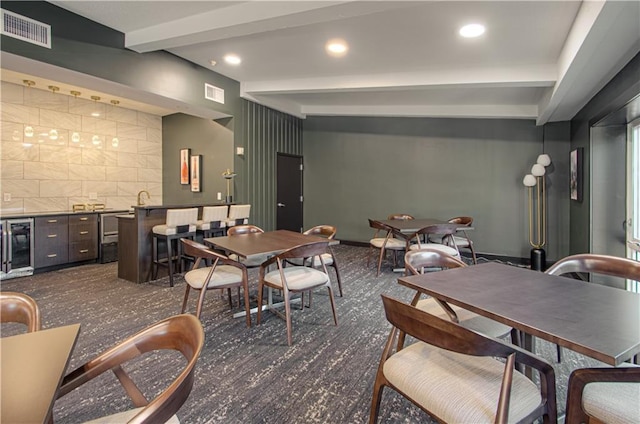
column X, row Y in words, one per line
column 109, row 237
column 17, row 248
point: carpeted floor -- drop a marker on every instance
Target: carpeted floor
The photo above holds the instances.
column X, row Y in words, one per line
column 244, row 375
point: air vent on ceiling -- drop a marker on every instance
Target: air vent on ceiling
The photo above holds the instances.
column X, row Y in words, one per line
column 214, row 93
column 25, row 29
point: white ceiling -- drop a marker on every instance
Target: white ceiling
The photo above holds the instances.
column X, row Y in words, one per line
column 538, row 59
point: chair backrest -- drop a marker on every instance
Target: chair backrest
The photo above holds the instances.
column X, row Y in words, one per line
column 20, row 308
column 450, row 336
column 467, row 221
column 328, row 231
column 176, row 217
column 597, row 264
column 182, row 333
column 239, row 211
column 244, row 229
column 401, row 216
column 416, row 260
column 378, row 226
column 214, row 213
column 317, row 248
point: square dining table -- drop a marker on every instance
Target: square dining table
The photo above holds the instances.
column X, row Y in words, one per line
column 595, row 320
column 32, row 368
column 259, row 244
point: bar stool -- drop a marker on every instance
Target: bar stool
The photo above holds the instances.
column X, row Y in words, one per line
column 180, row 223
column 213, row 221
column 238, row 215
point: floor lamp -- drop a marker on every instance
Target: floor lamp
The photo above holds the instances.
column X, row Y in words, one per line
column 537, row 211
column 228, row 175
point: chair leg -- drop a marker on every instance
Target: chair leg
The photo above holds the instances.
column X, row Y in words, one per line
column 170, row 260
column 559, row 353
column 335, row 266
column 260, row 293
column 287, row 312
column 230, row 300
column 380, row 261
column 473, row 254
column 154, row 258
column 200, row 302
column 333, row 304
column 186, row 298
column 375, row 401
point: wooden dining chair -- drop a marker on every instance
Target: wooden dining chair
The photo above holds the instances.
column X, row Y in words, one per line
column 181, row 333
column 453, row 375
column 295, row 279
column 604, row 395
column 595, row 264
column 460, row 239
column 224, row 273
column 19, row 308
column 328, row 232
column 384, row 241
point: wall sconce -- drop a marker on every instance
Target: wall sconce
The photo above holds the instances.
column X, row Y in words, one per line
column 228, row 175
column 96, row 112
column 537, row 210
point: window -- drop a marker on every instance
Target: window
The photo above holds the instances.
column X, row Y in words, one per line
column 633, row 197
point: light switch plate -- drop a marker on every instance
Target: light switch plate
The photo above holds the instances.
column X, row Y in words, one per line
column 219, row 196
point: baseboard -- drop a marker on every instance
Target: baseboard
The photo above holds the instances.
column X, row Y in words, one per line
column 481, row 256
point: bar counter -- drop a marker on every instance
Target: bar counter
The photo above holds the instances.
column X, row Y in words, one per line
column 135, row 239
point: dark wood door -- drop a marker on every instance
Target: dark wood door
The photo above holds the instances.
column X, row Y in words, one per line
column 289, row 192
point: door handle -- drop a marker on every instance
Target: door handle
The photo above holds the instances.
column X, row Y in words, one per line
column 281, row 205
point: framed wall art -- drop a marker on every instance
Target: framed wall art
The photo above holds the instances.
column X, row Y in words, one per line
column 184, row 165
column 196, row 161
column 576, row 174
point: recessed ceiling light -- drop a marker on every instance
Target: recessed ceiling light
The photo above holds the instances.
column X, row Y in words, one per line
column 336, row 47
column 213, row 62
column 232, row 59
column 472, row 30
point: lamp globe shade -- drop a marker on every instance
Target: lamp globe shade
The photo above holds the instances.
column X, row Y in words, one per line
column 529, row 180
column 544, row 159
column 537, row 170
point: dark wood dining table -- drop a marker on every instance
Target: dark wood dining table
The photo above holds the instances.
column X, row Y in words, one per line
column 594, row 320
column 32, row 367
column 408, row 226
column 259, row 244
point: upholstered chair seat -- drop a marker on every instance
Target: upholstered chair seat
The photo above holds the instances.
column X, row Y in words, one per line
column 298, row 278
column 458, row 388
column 214, row 220
column 440, row 247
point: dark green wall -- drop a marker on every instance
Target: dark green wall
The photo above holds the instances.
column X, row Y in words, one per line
column 615, row 95
column 213, row 140
column 359, row 168
column 265, row 132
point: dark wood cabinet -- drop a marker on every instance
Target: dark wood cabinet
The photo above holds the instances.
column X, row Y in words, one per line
column 83, row 237
column 51, row 241
column 63, row 239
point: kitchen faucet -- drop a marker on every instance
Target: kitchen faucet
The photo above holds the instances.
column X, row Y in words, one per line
column 140, row 199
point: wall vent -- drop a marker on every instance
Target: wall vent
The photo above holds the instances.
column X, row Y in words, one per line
column 25, row 29
column 211, row 92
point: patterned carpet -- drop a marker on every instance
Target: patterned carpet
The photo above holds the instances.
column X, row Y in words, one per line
column 244, row 375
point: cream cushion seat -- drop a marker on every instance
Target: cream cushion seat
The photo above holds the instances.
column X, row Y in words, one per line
column 613, row 402
column 124, row 417
column 175, row 218
column 298, row 277
column 440, row 247
column 326, row 257
column 437, row 379
column 466, row 318
column 392, row 243
column 223, row 275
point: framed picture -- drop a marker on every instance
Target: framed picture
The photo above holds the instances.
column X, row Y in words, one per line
column 576, row 175
column 184, row 165
column 196, row 161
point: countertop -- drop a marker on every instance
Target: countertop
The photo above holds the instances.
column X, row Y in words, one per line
column 18, row 215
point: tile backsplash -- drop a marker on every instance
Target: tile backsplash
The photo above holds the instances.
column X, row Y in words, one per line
column 55, row 153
